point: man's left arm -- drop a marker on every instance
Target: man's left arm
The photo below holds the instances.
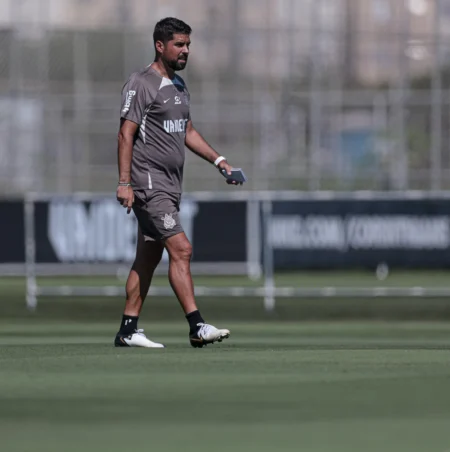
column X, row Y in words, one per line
column 198, row 145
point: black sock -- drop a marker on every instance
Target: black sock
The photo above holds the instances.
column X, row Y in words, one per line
column 193, row 318
column 129, row 324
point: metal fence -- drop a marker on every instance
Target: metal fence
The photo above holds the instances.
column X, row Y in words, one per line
column 303, row 94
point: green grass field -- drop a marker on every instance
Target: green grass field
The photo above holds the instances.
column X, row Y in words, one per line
column 271, row 386
column 317, row 375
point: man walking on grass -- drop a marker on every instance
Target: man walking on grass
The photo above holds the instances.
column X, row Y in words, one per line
column 155, row 127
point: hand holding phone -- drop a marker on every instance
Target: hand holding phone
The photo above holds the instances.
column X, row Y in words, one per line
column 237, row 176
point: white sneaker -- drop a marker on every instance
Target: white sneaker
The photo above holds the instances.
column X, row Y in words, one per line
column 207, row 334
column 136, row 339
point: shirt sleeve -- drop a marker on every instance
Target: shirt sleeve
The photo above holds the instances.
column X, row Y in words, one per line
column 134, row 100
column 188, row 101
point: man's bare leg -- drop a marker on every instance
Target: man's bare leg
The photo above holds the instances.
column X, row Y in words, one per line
column 180, row 278
column 148, row 256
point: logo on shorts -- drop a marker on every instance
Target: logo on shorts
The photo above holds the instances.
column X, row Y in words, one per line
column 169, row 222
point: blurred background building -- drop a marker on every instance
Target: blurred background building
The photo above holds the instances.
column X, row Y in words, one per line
column 303, row 94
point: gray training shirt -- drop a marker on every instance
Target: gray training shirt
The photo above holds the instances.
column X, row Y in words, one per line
column 161, row 108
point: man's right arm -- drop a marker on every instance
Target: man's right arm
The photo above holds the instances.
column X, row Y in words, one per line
column 128, row 130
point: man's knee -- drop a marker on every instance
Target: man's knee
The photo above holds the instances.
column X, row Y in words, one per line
column 182, row 251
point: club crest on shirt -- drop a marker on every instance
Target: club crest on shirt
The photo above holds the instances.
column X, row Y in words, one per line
column 169, row 222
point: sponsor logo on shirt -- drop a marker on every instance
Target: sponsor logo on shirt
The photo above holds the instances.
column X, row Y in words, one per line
column 175, row 126
column 128, row 99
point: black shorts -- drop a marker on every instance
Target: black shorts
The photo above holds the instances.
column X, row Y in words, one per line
column 157, row 213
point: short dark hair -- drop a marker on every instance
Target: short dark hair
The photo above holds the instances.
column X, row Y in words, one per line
column 166, row 28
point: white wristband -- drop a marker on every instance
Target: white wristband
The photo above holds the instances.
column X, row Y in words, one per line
column 219, row 159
